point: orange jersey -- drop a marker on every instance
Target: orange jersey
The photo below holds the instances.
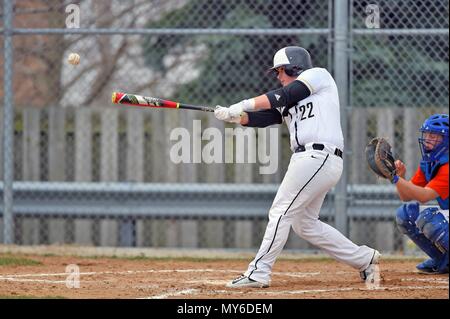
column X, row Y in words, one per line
column 438, row 183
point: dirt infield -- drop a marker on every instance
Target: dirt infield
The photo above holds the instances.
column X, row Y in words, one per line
column 45, row 276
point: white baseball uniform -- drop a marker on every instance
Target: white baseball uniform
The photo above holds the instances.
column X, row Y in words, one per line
column 310, row 175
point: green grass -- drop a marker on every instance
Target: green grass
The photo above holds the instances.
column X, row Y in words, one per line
column 18, row 261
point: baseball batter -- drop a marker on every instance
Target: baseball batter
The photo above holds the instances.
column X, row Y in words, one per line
column 309, row 104
column 427, row 227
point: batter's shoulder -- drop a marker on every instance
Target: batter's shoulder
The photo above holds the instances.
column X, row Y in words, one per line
column 321, row 72
column 316, row 79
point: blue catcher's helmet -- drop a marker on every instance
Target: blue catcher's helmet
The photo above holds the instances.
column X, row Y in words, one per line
column 436, row 124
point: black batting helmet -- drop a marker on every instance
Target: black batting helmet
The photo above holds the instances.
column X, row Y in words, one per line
column 294, row 60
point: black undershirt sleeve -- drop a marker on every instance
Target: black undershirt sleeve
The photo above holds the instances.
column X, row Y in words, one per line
column 289, row 95
column 264, row 118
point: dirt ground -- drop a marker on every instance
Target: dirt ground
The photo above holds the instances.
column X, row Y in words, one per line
column 159, row 278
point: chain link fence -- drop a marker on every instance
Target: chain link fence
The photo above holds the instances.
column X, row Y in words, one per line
column 92, row 173
column 399, row 77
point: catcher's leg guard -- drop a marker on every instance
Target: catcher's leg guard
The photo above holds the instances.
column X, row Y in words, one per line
column 407, row 215
column 434, row 226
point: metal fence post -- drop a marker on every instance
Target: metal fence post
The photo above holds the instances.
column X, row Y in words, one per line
column 341, row 76
column 8, row 125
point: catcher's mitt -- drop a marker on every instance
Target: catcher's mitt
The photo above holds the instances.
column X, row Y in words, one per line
column 380, row 159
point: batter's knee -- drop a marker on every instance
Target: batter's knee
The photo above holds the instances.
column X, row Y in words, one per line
column 406, row 217
column 432, row 223
column 307, row 228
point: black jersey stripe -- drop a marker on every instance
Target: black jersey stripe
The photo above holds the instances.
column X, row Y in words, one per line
column 295, row 125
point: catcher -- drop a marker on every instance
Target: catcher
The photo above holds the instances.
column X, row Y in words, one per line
column 426, row 226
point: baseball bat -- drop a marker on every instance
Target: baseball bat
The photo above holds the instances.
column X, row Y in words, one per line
column 147, row 101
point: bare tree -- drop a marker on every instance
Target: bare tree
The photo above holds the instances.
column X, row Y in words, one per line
column 41, row 76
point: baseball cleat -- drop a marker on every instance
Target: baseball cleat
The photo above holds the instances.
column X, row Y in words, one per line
column 368, row 274
column 432, row 266
column 429, row 266
column 244, row 282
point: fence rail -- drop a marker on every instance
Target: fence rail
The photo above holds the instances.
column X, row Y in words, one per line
column 175, row 200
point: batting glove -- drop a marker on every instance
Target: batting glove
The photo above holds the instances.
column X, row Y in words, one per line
column 242, row 106
column 223, row 114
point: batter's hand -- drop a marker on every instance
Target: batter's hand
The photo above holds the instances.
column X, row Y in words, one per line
column 401, row 168
column 242, row 106
column 223, row 114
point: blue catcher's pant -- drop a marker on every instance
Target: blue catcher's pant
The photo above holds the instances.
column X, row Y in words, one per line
column 428, row 229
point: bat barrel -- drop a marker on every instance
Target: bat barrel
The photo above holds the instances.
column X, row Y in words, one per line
column 146, row 101
column 116, row 96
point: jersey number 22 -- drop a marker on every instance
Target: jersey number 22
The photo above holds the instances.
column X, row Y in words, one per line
column 306, row 111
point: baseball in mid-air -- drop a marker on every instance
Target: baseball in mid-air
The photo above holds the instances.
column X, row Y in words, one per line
column 73, row 58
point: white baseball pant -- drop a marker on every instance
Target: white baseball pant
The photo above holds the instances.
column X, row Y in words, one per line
column 310, row 175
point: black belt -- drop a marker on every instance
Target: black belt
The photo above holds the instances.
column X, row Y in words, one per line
column 318, row 147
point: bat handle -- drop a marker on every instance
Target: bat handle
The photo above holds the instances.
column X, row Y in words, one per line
column 196, row 107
